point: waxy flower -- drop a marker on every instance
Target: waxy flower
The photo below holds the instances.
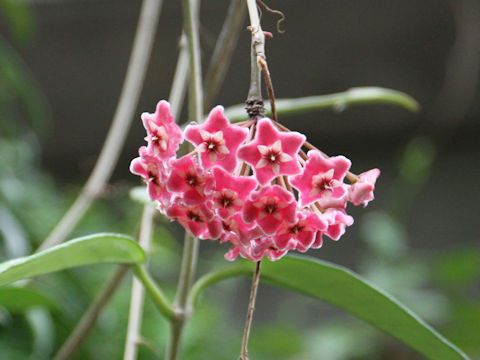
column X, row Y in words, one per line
column 217, row 140
column 269, row 208
column 163, row 135
column 301, row 234
column 237, row 231
column 189, row 179
column 250, row 184
column 272, row 153
column 196, row 219
column 337, row 220
column 361, row 192
column 230, row 192
column 153, row 173
column 322, row 179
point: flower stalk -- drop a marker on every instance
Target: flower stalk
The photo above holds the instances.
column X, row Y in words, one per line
column 255, row 106
column 250, row 310
column 137, row 294
column 191, row 244
column 134, row 78
column 223, row 52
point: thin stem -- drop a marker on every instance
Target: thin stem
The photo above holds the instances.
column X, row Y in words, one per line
column 268, row 82
column 176, row 98
column 353, row 178
column 158, row 297
column 258, row 48
column 138, row 292
column 255, row 107
column 187, row 271
column 190, row 250
column 251, row 309
column 177, row 92
column 255, row 90
column 182, row 310
column 122, row 119
column 90, row 316
column 190, row 16
column 287, row 184
column 223, row 50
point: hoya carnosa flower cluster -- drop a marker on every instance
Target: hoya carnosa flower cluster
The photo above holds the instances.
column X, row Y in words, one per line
column 249, row 184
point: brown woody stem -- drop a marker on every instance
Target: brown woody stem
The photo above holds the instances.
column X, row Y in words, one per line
column 251, row 309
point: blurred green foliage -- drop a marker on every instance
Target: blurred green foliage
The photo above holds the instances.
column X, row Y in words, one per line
column 20, row 18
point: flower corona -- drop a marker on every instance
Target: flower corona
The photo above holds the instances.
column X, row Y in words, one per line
column 249, row 184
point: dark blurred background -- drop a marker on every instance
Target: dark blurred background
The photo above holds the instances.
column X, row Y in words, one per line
column 74, row 54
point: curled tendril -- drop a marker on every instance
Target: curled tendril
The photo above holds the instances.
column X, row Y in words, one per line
column 272, row 11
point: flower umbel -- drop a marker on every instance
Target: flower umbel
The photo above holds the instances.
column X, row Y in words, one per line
column 249, row 184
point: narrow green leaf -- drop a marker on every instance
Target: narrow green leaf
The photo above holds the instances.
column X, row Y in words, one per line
column 18, row 79
column 20, row 299
column 348, row 291
column 338, row 101
column 92, row 249
column 20, row 18
column 345, row 289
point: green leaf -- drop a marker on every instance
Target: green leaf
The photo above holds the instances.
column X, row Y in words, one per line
column 18, row 80
column 338, row 101
column 20, row 299
column 92, row 249
column 20, row 18
column 348, row 291
column 345, row 289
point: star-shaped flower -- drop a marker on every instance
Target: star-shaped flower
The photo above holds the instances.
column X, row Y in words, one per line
column 153, row 173
column 322, row 179
column 230, row 192
column 256, row 250
column 272, row 153
column 163, row 135
column 361, row 192
column 337, row 220
column 189, row 180
column 301, row 234
column 196, row 219
column 217, row 140
column 237, row 231
column 270, row 207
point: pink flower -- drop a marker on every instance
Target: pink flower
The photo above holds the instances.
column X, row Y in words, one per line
column 154, row 175
column 361, row 192
column 270, row 207
column 163, row 135
column 257, row 216
column 301, row 234
column 230, row 192
column 256, row 251
column 318, row 242
column 337, row 220
column 237, row 231
column 232, row 254
column 275, row 254
column 322, row 179
column 189, row 179
column 272, row 153
column 217, row 140
column 196, row 219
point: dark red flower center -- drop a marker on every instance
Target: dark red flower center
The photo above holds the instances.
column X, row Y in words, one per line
column 270, row 208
